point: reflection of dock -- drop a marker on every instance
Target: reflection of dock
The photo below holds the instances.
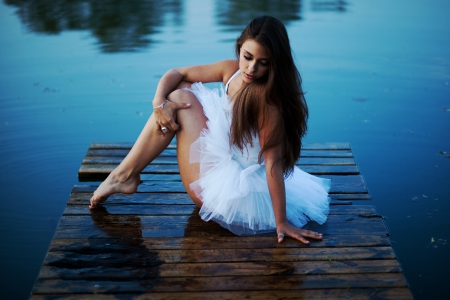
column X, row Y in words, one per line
column 153, row 244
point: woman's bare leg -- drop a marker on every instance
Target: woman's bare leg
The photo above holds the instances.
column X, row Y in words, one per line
column 192, row 121
column 126, row 177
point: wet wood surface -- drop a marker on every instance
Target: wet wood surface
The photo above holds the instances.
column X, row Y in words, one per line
column 153, row 245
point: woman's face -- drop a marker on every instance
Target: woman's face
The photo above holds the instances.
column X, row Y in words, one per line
column 253, row 61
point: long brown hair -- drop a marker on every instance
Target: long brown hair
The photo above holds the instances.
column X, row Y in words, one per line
column 280, row 89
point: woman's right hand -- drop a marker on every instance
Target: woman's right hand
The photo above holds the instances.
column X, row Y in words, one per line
column 166, row 116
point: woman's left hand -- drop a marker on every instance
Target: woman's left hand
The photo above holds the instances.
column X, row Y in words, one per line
column 165, row 116
column 287, row 229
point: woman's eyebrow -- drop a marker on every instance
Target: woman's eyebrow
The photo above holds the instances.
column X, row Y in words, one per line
column 263, row 58
column 248, row 52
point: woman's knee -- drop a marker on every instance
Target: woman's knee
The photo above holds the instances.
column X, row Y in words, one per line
column 182, row 96
column 192, row 114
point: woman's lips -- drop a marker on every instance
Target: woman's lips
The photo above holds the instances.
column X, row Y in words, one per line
column 249, row 76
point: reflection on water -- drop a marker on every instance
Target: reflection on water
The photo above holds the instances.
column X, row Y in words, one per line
column 329, row 5
column 235, row 14
column 127, row 25
column 119, row 25
column 111, row 256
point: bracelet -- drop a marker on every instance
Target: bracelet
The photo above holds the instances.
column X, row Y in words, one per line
column 161, row 105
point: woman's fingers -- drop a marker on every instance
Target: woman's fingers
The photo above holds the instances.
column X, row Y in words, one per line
column 178, row 106
column 300, row 238
column 172, row 125
column 280, row 237
column 298, row 234
column 311, row 234
column 165, row 117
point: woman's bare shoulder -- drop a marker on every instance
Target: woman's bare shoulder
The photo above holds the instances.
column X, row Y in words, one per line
column 230, row 66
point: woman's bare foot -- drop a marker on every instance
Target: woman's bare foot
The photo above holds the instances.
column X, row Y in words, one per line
column 114, row 183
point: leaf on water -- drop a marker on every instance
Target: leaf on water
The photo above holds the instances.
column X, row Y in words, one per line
column 444, row 154
column 432, row 240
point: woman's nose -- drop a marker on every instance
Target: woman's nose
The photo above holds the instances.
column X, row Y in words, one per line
column 252, row 66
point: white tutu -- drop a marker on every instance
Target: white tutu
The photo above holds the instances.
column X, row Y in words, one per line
column 233, row 185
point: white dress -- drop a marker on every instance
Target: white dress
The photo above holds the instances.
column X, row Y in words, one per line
column 233, row 185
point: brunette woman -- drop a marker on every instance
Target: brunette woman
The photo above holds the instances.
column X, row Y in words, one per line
column 237, row 147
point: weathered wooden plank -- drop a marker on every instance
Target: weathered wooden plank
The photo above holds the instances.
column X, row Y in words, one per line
column 308, row 146
column 72, row 272
column 161, row 177
column 107, row 225
column 340, row 179
column 344, row 293
column 269, row 268
column 343, row 197
column 226, row 283
column 118, row 152
column 173, row 270
column 172, row 187
column 82, row 194
column 156, row 186
column 346, row 183
column 123, row 244
column 325, row 146
column 139, row 256
column 101, row 214
column 173, row 152
column 137, row 209
column 172, row 160
column 122, row 145
column 339, row 184
column 94, row 160
column 99, row 171
column 149, row 209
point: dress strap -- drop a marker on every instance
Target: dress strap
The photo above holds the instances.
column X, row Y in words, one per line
column 229, row 80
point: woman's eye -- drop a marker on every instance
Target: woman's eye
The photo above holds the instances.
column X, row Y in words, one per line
column 247, row 57
column 264, row 64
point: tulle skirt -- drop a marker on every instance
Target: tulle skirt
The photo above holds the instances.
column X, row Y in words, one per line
column 233, row 185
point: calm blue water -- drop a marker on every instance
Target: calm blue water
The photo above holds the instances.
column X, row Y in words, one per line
column 377, row 75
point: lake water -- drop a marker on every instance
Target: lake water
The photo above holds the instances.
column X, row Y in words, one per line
column 377, row 75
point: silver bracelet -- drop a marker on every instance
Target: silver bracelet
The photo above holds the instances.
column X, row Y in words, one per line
column 161, row 105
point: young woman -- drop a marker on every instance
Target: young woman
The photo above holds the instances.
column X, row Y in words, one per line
column 236, row 149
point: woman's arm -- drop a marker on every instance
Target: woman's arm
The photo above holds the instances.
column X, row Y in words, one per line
column 215, row 72
column 183, row 77
column 275, row 181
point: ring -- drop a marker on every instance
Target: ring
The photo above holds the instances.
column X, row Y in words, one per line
column 281, row 234
column 164, row 128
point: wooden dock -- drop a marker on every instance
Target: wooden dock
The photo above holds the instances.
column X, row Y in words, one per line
column 153, row 245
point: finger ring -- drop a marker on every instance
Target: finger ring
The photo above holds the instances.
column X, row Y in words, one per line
column 281, row 234
column 164, row 128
